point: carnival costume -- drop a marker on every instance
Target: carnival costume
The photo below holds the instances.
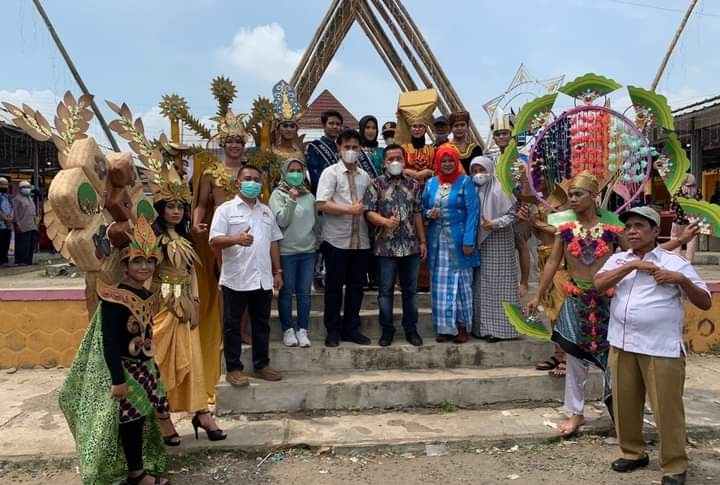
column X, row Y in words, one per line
column 469, row 149
column 117, row 348
column 286, row 109
column 416, row 107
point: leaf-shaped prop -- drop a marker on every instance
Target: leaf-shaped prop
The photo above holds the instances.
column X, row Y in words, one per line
column 651, row 108
column 503, row 169
column 673, row 164
column 534, row 114
column 590, row 84
column 25, row 118
column 525, row 325
column 707, row 214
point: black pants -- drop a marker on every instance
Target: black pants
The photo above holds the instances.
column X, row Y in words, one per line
column 131, row 437
column 258, row 303
column 4, row 244
column 348, row 268
column 25, row 246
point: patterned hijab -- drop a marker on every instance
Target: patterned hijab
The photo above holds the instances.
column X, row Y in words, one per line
column 441, row 153
column 283, row 185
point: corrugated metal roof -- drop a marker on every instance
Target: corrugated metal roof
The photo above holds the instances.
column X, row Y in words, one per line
column 699, row 106
column 324, row 102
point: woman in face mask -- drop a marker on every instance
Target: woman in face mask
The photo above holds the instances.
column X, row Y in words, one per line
column 371, row 158
column 496, row 242
column 294, row 208
column 451, row 206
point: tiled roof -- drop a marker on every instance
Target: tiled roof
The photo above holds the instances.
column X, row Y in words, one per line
column 324, row 102
column 699, row 106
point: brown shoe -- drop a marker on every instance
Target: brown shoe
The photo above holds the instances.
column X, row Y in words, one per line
column 237, row 378
column 268, row 374
column 462, row 336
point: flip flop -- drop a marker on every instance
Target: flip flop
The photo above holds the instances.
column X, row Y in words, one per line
column 549, row 364
column 559, row 371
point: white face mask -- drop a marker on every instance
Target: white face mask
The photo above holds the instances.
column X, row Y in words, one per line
column 395, row 168
column 25, row 191
column 350, row 156
column 389, row 141
column 481, row 179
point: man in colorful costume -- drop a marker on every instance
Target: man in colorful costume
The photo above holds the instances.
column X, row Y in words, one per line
column 585, row 238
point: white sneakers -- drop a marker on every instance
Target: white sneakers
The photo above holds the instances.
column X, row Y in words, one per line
column 302, row 338
column 289, row 338
column 293, row 339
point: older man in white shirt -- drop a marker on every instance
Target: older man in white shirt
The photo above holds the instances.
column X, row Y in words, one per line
column 246, row 232
column 647, row 355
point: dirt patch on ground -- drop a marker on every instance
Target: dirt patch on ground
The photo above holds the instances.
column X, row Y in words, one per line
column 584, row 461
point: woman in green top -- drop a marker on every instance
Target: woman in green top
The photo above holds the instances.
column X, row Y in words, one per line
column 294, row 208
column 371, row 158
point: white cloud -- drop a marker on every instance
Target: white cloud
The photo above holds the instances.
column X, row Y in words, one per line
column 682, row 97
column 263, row 53
column 43, row 100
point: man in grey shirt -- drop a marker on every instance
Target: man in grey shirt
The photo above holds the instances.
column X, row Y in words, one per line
column 25, row 225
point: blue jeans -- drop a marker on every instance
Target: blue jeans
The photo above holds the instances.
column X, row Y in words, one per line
column 408, row 268
column 297, row 278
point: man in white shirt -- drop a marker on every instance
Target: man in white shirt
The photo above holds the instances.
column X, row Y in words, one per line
column 647, row 354
column 345, row 242
column 246, row 232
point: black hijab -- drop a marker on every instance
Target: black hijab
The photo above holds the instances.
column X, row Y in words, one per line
column 363, row 141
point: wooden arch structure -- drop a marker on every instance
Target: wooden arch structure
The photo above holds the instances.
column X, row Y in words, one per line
column 376, row 18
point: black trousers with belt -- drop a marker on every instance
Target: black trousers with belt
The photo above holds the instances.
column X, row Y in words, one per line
column 258, row 304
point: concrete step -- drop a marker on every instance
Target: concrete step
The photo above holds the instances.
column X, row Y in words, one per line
column 317, row 300
column 402, row 355
column 369, row 324
column 343, row 390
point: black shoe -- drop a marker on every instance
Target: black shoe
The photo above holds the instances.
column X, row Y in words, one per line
column 332, row 339
column 623, row 465
column 386, row 339
column 414, row 339
column 356, row 338
column 212, row 434
column 674, row 479
column 319, row 284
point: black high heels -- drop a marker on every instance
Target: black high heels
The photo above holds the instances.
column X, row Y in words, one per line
column 173, row 439
column 212, row 434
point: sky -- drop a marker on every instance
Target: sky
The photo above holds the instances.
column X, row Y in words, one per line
column 135, row 51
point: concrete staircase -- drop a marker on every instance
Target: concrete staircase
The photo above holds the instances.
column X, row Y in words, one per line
column 354, row 377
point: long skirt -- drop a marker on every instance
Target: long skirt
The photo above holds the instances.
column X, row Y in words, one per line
column 495, row 282
column 178, row 354
column 94, row 417
column 451, row 292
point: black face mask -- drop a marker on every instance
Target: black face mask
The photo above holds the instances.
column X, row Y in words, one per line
column 3, row 190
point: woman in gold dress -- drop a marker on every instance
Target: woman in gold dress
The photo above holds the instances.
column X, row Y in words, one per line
column 175, row 325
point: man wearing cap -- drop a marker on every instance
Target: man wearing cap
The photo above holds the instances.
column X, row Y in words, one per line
column 441, row 130
column 388, row 132
column 647, row 355
column 6, row 220
column 25, row 227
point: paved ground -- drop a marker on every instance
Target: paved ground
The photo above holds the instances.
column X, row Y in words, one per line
column 582, row 461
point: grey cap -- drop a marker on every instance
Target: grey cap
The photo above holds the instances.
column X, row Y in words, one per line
column 4, row 181
column 645, row 211
column 441, row 120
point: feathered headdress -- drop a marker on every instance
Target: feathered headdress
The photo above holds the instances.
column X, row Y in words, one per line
column 143, row 242
column 285, row 104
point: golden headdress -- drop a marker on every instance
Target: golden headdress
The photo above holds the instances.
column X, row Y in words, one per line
column 168, row 185
column 285, row 104
column 143, row 242
column 231, row 126
column 586, row 181
column 502, row 121
column 414, row 107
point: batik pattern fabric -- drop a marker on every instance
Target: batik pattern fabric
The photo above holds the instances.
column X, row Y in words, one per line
column 94, row 417
column 395, row 195
column 495, row 283
column 451, row 291
column 146, row 393
column 572, row 328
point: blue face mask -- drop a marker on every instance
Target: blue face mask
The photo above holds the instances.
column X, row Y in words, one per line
column 250, row 189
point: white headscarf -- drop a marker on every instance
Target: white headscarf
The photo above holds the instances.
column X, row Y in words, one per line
column 494, row 201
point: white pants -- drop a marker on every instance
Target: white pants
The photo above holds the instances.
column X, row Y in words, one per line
column 575, row 379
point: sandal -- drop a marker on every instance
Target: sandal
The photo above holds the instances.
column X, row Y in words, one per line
column 173, row 439
column 549, row 364
column 138, row 479
column 559, row 371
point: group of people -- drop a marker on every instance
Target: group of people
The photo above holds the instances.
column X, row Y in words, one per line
column 18, row 214
column 411, row 212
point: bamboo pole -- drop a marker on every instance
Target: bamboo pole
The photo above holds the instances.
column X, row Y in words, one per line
column 398, row 79
column 673, row 43
column 309, row 51
column 76, row 74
